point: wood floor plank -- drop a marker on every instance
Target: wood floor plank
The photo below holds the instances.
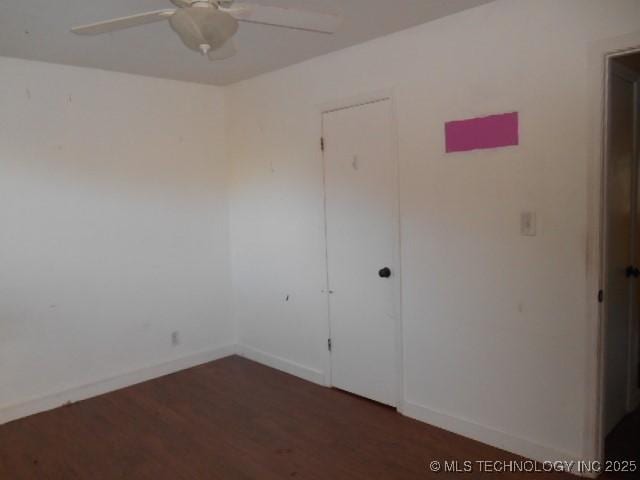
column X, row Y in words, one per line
column 232, row 419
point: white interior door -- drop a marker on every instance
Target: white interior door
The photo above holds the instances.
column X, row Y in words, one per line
column 362, row 241
column 620, row 207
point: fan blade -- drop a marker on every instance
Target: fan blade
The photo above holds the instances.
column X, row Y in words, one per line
column 122, row 23
column 285, row 17
column 227, row 50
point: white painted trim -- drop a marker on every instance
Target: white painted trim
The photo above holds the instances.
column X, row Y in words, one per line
column 327, row 356
column 287, row 366
column 397, row 254
column 599, row 54
column 487, row 435
column 356, row 101
column 54, row 400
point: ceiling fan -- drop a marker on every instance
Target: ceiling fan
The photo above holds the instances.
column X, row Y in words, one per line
column 207, row 26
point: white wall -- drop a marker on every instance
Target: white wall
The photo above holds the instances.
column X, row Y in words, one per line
column 494, row 323
column 114, row 222
column 113, row 226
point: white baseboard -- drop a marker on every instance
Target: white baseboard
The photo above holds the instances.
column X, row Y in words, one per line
column 57, row 399
column 287, row 366
column 466, row 428
column 487, row 435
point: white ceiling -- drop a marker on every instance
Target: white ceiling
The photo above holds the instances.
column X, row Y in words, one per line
column 39, row 30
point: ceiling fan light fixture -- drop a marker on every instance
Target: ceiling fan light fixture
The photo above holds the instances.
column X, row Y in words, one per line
column 200, row 27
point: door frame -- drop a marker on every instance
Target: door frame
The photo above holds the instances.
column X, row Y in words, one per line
column 633, row 390
column 614, row 70
column 387, row 94
column 600, row 54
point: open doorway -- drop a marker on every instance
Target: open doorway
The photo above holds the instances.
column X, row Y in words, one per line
column 621, row 412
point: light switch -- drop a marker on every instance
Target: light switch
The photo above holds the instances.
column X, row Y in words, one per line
column 528, row 224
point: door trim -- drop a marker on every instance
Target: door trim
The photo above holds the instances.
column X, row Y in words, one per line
column 600, row 53
column 633, row 390
column 616, row 71
column 353, row 102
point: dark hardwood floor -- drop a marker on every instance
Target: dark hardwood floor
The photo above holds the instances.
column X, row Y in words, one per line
column 623, row 443
column 232, row 419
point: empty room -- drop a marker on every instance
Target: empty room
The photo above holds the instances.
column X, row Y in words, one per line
column 319, row 239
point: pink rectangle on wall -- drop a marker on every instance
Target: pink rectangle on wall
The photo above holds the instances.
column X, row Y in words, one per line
column 485, row 132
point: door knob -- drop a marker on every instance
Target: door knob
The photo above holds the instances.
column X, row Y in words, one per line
column 632, row 271
column 385, row 272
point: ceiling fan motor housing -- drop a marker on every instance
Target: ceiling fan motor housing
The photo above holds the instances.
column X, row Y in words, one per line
column 206, row 27
column 188, row 3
